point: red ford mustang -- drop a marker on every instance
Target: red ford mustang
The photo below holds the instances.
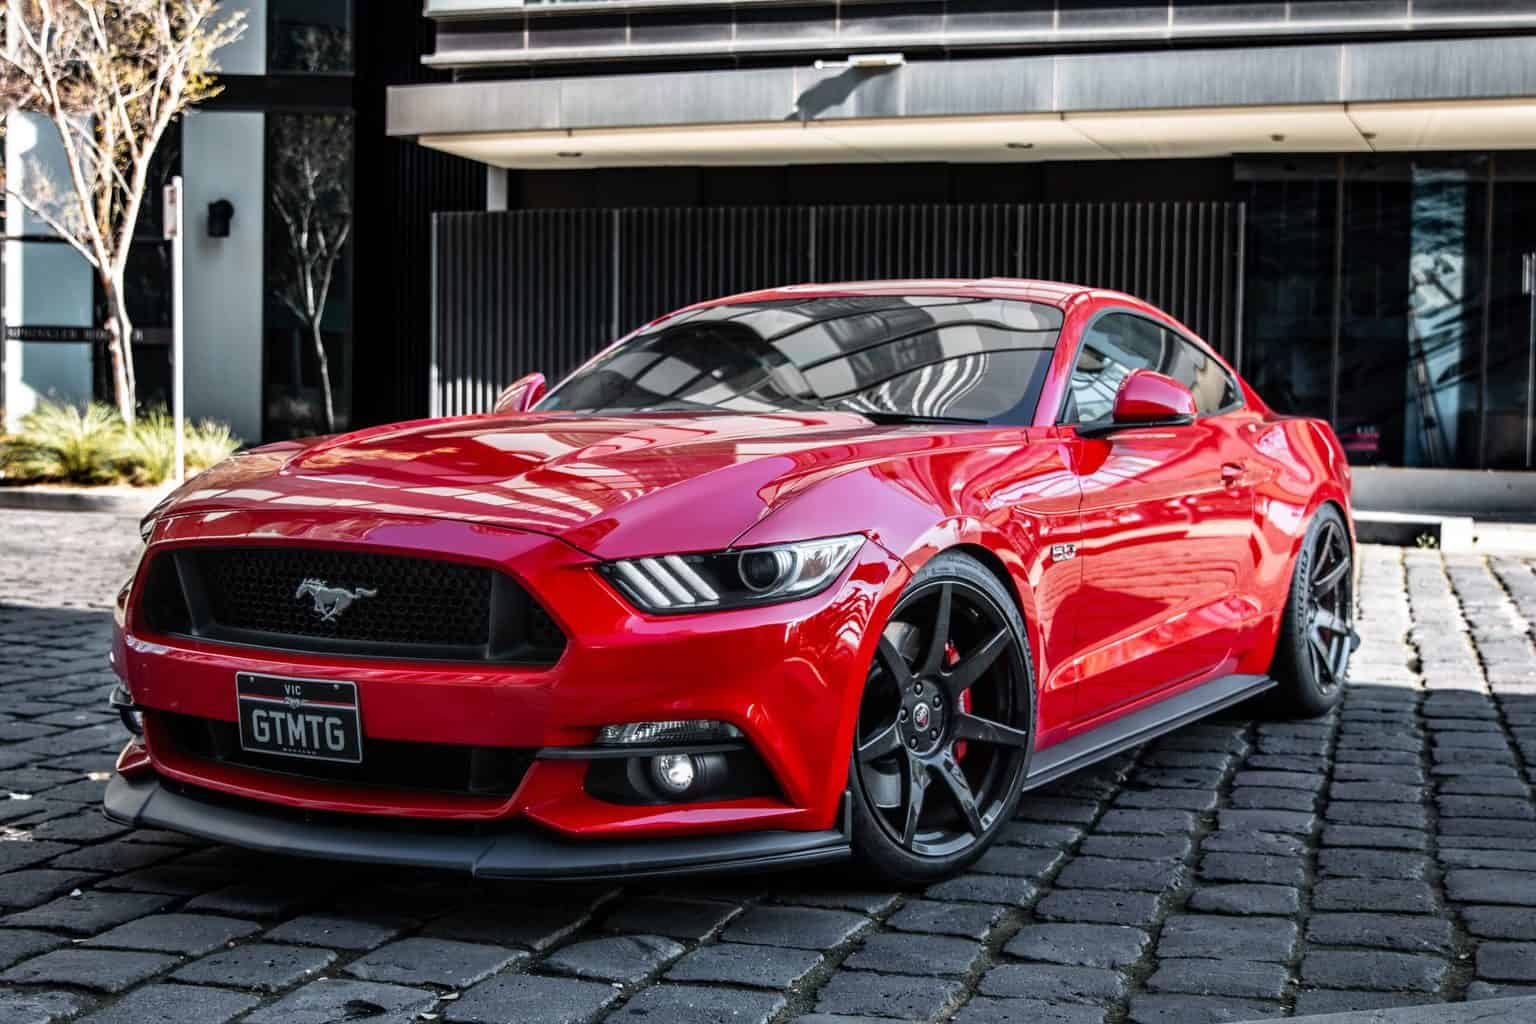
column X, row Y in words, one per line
column 775, row 579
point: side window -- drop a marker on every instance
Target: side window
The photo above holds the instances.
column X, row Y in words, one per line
column 1112, row 348
column 1213, row 388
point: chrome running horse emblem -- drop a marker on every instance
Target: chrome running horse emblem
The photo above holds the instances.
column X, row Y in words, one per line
column 329, row 601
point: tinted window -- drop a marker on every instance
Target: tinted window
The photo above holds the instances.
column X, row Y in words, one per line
column 902, row 356
column 1213, row 387
column 1114, row 347
column 1118, row 344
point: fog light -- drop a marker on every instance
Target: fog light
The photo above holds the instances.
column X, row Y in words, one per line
column 672, row 774
column 689, row 731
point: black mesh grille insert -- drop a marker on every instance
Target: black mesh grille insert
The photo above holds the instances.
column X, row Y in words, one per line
column 393, row 764
column 382, row 598
column 357, row 602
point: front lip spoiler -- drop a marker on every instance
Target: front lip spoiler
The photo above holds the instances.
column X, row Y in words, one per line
column 519, row 853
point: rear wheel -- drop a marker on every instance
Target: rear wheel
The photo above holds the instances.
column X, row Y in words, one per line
column 1317, row 635
column 945, row 726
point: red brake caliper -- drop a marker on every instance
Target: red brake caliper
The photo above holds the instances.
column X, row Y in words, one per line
column 951, row 658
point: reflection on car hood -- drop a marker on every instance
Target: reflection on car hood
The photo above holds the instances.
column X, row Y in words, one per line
column 607, row 484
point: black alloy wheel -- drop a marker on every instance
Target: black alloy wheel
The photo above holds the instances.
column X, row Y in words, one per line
column 1330, row 629
column 945, row 726
column 1317, row 633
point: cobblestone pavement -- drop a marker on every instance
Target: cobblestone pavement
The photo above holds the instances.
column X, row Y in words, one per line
column 1237, row 869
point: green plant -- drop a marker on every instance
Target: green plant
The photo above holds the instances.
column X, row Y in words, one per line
column 208, row 444
column 148, row 453
column 65, row 444
column 149, row 447
column 61, row 443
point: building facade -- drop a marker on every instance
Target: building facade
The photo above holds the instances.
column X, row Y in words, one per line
column 1372, row 155
column 303, row 95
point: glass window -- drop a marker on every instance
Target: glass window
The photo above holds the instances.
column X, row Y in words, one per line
column 1290, row 276
column 310, row 36
column 1119, row 344
column 890, row 357
column 1213, row 387
column 308, row 358
column 1508, row 382
column 1113, row 348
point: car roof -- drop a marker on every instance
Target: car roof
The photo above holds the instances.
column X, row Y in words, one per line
column 1050, row 293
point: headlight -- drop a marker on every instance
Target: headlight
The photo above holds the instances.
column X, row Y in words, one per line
column 732, row 579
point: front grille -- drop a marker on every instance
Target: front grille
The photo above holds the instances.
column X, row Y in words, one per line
column 392, row 764
column 348, row 602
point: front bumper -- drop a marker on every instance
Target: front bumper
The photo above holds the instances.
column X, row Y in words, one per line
column 788, row 676
column 506, row 853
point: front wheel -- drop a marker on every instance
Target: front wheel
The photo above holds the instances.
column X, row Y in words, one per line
column 1317, row 635
column 945, row 726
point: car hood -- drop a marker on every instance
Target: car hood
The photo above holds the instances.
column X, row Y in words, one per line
column 608, row 485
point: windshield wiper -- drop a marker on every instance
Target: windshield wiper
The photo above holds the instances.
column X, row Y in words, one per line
column 884, row 417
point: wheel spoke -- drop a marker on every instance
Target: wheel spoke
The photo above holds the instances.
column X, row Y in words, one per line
column 892, row 663
column 917, row 788
column 1338, row 657
column 1325, row 539
column 884, row 742
column 1326, row 583
column 938, row 639
column 1321, row 649
column 975, row 664
column 1326, row 622
column 984, row 730
column 960, row 789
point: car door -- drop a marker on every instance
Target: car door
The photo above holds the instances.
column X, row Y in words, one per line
column 1164, row 526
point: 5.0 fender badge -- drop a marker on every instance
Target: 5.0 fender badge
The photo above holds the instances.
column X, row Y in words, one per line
column 1063, row 552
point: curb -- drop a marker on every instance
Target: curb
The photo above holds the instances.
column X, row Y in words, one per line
column 115, row 501
column 1485, row 1011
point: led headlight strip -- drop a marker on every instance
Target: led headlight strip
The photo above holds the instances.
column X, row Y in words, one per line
column 732, row 579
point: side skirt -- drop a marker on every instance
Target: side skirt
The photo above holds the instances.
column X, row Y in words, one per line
column 1140, row 726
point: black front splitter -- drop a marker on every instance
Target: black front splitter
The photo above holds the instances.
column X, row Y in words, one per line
column 517, row 853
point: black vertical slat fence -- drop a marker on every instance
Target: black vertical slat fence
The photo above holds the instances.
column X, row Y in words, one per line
column 545, row 289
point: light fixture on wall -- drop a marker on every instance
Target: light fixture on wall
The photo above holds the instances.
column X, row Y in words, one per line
column 865, row 61
column 221, row 212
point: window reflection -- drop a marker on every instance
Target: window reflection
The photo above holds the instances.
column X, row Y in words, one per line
column 912, row 357
column 1118, row 344
column 308, row 378
column 310, row 36
column 1434, row 333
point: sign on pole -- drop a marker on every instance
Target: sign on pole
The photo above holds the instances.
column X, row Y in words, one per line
column 174, row 225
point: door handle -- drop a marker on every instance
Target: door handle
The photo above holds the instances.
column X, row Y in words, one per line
column 1231, row 472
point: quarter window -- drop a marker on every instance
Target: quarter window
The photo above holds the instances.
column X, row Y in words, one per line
column 1213, row 387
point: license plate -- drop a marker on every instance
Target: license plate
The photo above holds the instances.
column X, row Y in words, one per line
column 309, row 718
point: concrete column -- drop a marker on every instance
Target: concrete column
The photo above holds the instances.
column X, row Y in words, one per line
column 224, row 157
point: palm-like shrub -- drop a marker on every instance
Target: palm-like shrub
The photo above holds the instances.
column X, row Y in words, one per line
column 61, row 443
column 209, row 443
column 65, row 444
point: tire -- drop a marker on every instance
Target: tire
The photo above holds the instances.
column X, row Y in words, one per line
column 1311, row 660
column 958, row 717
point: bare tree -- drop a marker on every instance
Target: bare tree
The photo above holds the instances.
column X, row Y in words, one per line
column 110, row 76
column 311, row 192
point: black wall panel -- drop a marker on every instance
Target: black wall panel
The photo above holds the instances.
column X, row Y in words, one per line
column 545, row 289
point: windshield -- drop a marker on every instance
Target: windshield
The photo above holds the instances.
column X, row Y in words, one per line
column 923, row 357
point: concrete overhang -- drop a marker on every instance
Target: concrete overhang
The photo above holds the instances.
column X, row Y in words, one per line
column 1447, row 94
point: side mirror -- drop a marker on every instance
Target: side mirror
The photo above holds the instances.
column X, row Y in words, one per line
column 1148, row 399
column 522, row 394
